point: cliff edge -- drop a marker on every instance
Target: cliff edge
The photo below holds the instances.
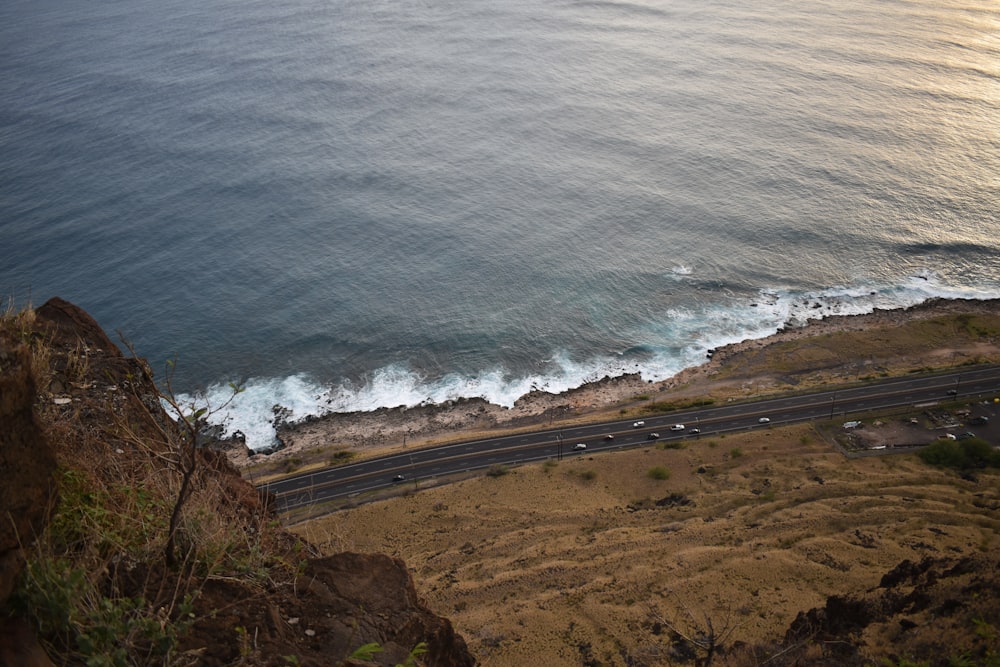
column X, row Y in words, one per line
column 92, row 468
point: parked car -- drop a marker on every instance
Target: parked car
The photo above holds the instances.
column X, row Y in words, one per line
column 579, row 445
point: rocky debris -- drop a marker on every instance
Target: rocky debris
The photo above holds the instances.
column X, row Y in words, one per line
column 944, row 608
column 373, row 595
column 864, row 540
column 340, row 603
column 667, row 502
column 674, row 500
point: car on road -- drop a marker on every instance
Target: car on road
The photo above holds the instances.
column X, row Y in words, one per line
column 677, row 427
column 397, row 479
column 694, row 430
column 652, row 436
column 579, row 445
column 764, row 420
column 638, row 424
column 609, row 437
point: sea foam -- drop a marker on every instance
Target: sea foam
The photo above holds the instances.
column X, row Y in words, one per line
column 679, row 340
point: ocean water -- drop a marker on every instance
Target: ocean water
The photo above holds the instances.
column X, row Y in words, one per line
column 347, row 205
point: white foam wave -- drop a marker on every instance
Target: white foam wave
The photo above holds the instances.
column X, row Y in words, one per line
column 678, row 340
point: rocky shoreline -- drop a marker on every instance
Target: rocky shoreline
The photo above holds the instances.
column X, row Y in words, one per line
column 391, row 428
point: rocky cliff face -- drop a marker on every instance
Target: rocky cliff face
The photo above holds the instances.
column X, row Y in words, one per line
column 939, row 611
column 27, row 491
column 27, row 462
column 245, row 592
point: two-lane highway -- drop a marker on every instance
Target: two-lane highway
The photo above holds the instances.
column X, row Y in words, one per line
column 436, row 462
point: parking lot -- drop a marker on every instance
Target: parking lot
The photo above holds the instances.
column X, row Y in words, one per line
column 918, row 427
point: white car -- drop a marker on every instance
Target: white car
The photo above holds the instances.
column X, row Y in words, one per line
column 638, row 424
column 579, row 445
column 764, row 420
column 677, row 427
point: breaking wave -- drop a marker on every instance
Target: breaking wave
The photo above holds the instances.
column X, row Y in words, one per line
column 678, row 340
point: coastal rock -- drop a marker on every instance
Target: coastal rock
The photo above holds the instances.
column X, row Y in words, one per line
column 465, row 417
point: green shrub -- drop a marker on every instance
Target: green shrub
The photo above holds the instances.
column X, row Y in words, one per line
column 659, row 472
column 340, row 457
column 672, row 444
column 75, row 588
column 964, row 454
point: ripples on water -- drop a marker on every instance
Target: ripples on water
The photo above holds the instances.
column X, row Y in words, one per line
column 365, row 204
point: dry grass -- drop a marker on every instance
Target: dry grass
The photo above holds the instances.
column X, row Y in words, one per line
column 96, row 586
column 546, row 562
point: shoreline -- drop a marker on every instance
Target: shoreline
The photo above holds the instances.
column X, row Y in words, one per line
column 387, row 429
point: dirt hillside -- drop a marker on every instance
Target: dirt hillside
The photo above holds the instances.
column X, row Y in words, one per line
column 590, row 560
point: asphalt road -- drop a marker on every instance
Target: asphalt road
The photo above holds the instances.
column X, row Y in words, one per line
column 374, row 474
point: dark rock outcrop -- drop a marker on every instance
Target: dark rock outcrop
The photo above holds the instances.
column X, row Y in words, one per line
column 27, row 490
column 26, row 463
column 941, row 607
column 372, row 595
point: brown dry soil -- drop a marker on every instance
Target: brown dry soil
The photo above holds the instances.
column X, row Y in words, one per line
column 590, row 560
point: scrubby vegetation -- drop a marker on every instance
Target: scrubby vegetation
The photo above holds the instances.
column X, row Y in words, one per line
column 155, row 551
column 497, row 470
column 965, row 454
column 143, row 519
column 659, row 472
column 674, row 405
